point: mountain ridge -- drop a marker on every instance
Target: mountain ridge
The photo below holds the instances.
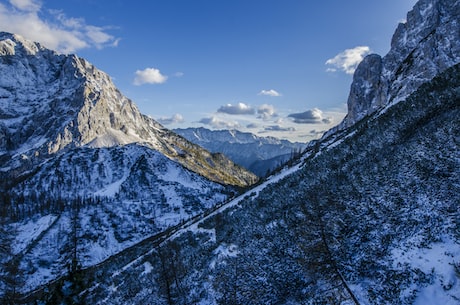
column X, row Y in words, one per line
column 81, row 106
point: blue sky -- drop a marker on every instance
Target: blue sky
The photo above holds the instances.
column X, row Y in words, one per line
column 280, row 68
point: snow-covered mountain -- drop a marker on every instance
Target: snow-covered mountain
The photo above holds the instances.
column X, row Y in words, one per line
column 52, row 103
column 260, row 155
column 83, row 174
column 108, row 199
column 369, row 215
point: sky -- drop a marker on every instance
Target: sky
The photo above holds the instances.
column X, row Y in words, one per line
column 273, row 68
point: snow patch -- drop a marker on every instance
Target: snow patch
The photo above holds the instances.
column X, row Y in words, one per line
column 113, row 138
column 147, row 268
column 222, row 252
column 111, row 189
column 30, row 231
column 439, row 260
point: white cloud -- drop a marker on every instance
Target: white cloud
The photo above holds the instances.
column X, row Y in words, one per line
column 26, row 5
column 52, row 28
column 220, row 123
column 240, row 108
column 149, row 76
column 348, row 60
column 270, row 92
column 176, row 118
column 98, row 36
column 312, row 116
column 266, row 112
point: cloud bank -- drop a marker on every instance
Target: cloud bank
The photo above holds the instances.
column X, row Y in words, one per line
column 278, row 128
column 219, row 123
column 52, row 28
column 348, row 60
column 149, row 76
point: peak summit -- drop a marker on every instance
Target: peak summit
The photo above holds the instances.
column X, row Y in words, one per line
column 12, row 44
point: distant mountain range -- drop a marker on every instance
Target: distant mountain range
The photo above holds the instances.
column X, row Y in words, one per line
column 368, row 214
column 259, row 155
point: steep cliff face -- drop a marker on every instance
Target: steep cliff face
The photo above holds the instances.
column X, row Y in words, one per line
column 422, row 47
column 366, row 94
column 51, row 103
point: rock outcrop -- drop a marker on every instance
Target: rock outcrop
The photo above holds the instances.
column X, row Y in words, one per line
column 424, row 46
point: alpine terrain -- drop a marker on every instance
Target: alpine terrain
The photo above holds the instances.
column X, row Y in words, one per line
column 84, row 175
column 260, row 155
column 369, row 214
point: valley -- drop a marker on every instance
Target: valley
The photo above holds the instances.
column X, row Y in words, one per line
column 101, row 204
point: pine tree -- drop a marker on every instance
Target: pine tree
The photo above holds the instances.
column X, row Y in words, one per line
column 10, row 274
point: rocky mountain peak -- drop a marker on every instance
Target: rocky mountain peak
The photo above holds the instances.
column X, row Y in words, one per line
column 50, row 103
column 422, row 47
column 12, row 44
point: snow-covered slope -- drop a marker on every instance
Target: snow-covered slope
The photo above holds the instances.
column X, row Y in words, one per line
column 371, row 219
column 258, row 154
column 131, row 194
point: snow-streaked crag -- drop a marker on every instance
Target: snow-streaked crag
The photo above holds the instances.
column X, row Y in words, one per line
column 73, row 147
column 422, row 47
column 260, row 155
column 369, row 216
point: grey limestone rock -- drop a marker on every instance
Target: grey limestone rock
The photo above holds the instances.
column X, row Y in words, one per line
column 422, row 47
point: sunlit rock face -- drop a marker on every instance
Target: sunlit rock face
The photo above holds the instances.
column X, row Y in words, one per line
column 51, row 103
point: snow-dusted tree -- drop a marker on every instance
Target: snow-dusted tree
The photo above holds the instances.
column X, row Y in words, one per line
column 10, row 274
